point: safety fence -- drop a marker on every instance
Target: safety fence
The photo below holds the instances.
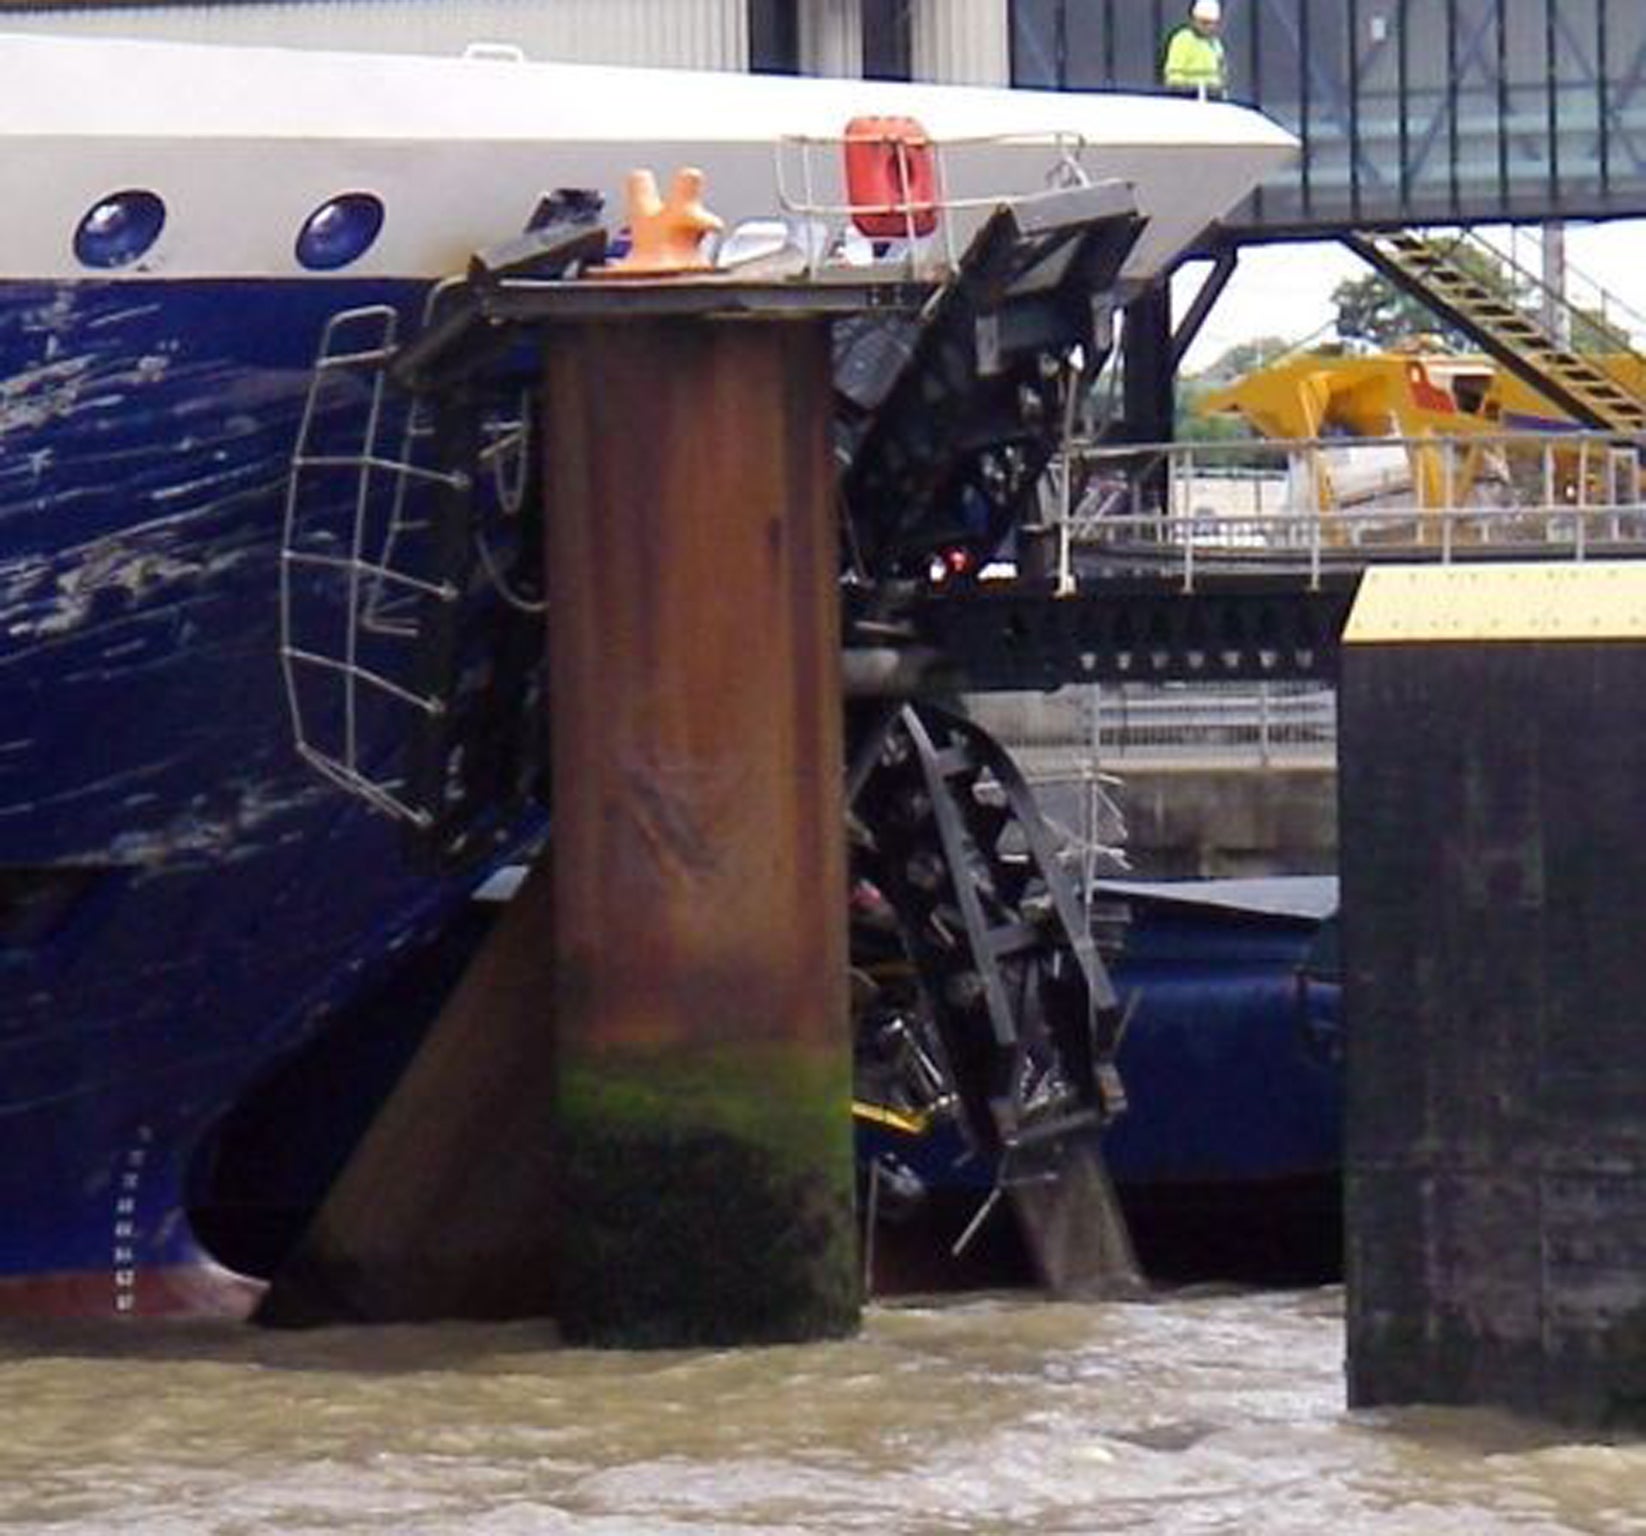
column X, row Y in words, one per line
column 1118, row 726
column 1312, row 505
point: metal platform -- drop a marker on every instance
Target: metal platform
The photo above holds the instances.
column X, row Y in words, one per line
column 1238, row 561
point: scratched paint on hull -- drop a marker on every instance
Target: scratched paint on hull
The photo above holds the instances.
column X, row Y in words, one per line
column 145, row 433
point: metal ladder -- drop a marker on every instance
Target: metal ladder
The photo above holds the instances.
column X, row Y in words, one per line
column 409, row 647
column 1431, row 272
column 348, row 589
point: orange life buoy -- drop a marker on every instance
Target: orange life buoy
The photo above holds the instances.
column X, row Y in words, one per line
column 891, row 177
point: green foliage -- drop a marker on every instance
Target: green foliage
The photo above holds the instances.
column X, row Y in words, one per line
column 1373, row 310
column 1242, row 358
column 1593, row 332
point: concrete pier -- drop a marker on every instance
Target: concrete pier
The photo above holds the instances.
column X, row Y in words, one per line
column 702, row 1109
column 1492, row 750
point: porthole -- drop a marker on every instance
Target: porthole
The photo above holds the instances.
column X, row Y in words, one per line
column 339, row 231
column 119, row 229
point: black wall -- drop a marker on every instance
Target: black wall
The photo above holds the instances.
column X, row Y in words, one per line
column 1493, row 861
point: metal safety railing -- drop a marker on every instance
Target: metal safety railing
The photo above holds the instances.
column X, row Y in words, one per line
column 1262, row 723
column 1576, row 302
column 1099, row 727
column 810, row 191
column 1320, row 504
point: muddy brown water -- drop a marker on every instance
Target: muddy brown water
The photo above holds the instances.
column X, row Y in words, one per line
column 1190, row 1413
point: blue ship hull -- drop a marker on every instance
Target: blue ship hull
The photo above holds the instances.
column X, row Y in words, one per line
column 182, row 902
column 1227, row 1160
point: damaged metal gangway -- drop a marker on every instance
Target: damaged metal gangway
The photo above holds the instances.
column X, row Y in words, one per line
column 1014, row 1025
column 412, row 629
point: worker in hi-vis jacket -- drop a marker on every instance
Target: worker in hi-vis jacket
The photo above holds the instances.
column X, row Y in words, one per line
column 1194, row 53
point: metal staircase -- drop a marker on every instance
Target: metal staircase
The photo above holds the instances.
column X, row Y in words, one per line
column 1432, row 272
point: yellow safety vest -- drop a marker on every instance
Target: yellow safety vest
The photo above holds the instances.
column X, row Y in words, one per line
column 1193, row 62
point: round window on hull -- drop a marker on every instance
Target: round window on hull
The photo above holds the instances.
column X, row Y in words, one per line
column 339, row 231
column 119, row 229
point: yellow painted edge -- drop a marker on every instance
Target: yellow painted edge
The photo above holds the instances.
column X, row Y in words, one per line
column 1533, row 601
column 911, row 1124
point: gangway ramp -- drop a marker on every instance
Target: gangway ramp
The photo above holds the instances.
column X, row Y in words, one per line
column 1444, row 111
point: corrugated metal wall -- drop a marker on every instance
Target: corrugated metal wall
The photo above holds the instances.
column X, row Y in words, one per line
column 688, row 34
column 966, row 42
column 831, row 37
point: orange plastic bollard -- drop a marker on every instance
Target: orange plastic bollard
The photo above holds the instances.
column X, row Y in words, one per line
column 666, row 235
column 891, row 177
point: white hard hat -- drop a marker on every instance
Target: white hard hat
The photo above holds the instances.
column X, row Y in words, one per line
column 1206, row 10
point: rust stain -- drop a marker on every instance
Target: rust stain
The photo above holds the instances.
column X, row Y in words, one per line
column 694, row 651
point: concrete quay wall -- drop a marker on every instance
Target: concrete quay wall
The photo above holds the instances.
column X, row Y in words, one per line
column 1229, row 821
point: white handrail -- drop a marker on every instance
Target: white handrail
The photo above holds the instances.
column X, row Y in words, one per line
column 1063, row 170
column 1567, row 496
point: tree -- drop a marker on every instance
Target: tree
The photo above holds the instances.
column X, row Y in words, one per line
column 1593, row 331
column 1242, row 358
column 1373, row 310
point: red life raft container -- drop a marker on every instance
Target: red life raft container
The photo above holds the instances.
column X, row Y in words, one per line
column 891, row 177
